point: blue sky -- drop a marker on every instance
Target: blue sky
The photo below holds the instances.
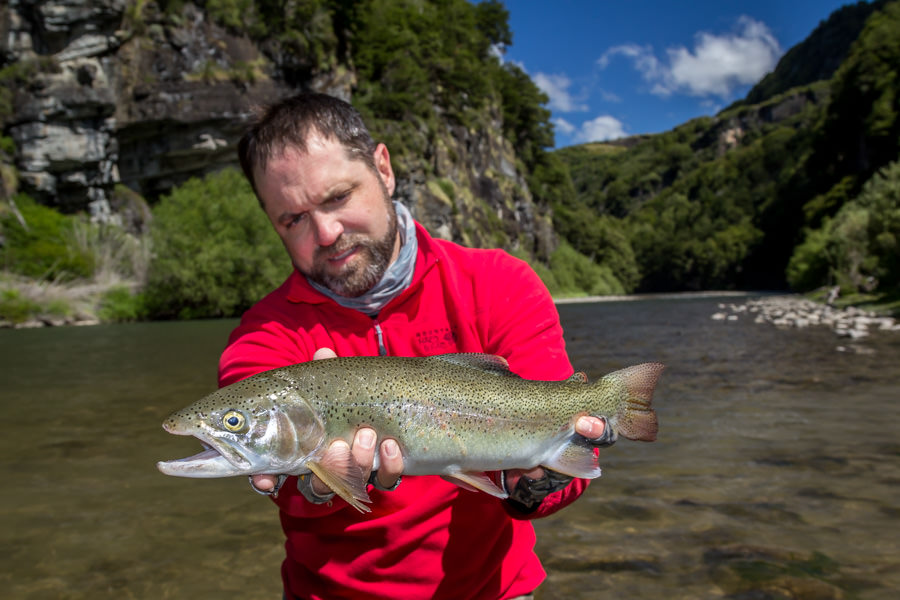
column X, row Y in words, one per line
column 614, row 68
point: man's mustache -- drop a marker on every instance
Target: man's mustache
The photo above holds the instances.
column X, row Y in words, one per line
column 341, row 245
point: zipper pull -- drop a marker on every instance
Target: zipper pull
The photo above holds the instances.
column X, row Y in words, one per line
column 382, row 351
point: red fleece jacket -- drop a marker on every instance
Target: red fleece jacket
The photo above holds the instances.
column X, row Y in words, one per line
column 429, row 538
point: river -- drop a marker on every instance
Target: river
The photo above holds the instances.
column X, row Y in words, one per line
column 776, row 473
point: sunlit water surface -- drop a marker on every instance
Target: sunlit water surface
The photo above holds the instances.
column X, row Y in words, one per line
column 776, row 473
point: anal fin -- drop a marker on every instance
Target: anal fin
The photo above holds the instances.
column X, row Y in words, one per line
column 577, row 458
column 475, row 482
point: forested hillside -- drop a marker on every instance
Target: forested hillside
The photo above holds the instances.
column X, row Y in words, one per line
column 120, row 120
column 727, row 201
column 818, row 56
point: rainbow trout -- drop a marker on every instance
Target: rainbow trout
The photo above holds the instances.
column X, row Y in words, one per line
column 454, row 415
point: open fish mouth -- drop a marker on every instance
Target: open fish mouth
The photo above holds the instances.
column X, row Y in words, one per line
column 208, row 463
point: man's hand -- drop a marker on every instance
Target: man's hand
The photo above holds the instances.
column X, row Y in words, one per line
column 588, row 427
column 362, row 449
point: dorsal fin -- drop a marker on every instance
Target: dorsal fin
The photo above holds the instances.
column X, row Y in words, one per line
column 579, row 377
column 486, row 363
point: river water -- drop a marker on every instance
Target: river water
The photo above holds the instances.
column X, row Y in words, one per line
column 776, row 474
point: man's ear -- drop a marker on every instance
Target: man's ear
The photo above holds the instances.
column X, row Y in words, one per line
column 384, row 169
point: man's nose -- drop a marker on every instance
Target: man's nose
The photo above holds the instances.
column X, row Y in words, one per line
column 328, row 229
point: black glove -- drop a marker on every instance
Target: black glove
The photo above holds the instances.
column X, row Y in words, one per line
column 529, row 493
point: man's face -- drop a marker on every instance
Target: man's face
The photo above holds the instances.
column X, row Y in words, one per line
column 333, row 214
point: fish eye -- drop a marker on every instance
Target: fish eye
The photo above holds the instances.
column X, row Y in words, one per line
column 233, row 421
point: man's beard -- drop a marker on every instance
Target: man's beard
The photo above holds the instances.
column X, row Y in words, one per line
column 371, row 261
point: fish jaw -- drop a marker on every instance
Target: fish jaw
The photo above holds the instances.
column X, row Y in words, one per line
column 206, row 464
column 218, row 459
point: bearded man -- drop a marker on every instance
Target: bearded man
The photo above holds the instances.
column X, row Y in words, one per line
column 370, row 281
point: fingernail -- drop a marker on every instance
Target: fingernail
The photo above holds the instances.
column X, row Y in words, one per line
column 366, row 439
column 390, row 448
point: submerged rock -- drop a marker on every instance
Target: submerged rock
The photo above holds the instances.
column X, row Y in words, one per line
column 749, row 571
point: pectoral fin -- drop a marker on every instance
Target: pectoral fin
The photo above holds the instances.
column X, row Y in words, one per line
column 577, row 458
column 344, row 477
column 475, row 482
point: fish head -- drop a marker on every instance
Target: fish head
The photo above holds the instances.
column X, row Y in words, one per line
column 246, row 431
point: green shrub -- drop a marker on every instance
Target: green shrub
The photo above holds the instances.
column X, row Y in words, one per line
column 16, row 308
column 42, row 248
column 881, row 197
column 809, row 266
column 114, row 253
column 858, row 249
column 575, row 274
column 120, row 305
column 215, row 253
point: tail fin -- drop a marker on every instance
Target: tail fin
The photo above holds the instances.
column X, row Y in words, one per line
column 636, row 420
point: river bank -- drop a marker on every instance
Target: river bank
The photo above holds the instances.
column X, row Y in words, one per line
column 657, row 296
column 30, row 303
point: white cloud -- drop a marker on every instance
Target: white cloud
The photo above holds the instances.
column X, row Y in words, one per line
column 600, row 129
column 557, row 88
column 719, row 63
column 563, row 126
column 609, row 96
column 642, row 57
column 715, row 66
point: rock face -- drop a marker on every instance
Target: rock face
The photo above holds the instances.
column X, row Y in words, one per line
column 118, row 92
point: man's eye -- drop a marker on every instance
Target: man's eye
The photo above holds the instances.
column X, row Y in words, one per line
column 295, row 220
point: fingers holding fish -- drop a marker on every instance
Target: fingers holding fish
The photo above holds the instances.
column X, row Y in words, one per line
column 390, row 465
column 264, row 483
column 363, row 450
column 390, row 460
column 324, row 353
column 596, row 431
column 362, row 453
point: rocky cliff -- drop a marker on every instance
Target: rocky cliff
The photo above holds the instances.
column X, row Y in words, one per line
column 108, row 92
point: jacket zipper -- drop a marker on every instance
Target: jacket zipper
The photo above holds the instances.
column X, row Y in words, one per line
column 382, row 351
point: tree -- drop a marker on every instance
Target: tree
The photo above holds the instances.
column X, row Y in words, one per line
column 215, row 253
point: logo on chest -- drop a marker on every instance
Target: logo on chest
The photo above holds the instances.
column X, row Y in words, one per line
column 436, row 340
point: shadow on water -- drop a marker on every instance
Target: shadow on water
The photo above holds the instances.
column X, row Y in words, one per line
column 775, row 475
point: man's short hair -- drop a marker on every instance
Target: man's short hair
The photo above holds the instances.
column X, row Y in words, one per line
column 290, row 123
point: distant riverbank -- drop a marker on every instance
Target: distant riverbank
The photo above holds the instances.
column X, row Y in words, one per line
column 659, row 296
column 25, row 304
